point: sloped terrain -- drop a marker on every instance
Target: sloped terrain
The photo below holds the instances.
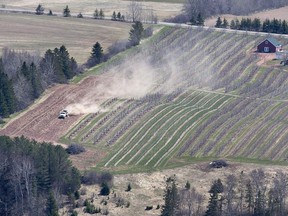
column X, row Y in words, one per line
column 212, row 99
column 184, row 93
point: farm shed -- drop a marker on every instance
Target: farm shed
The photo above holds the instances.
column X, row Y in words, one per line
column 269, row 45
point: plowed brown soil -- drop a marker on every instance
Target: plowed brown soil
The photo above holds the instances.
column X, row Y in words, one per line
column 40, row 121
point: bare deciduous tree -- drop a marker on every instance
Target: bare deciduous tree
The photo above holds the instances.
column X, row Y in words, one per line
column 135, row 11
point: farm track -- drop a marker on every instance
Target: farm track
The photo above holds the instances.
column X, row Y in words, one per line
column 41, row 122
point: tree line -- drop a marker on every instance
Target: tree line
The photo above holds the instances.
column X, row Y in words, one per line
column 209, row 8
column 249, row 194
column 34, row 177
column 271, row 26
column 135, row 12
column 24, row 76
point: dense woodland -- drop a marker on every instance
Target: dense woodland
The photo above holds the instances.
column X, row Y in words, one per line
column 250, row 194
column 34, row 177
column 24, row 76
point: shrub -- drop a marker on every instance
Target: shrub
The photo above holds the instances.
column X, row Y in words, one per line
column 105, row 212
column 218, row 164
column 83, row 191
column 92, row 177
column 75, row 149
column 148, row 208
column 77, row 195
column 105, row 190
column 128, row 188
column 148, row 32
column 74, row 213
column 187, row 185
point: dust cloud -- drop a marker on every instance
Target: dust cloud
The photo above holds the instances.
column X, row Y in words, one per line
column 128, row 81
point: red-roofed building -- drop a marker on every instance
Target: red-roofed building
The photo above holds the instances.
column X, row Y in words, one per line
column 269, row 45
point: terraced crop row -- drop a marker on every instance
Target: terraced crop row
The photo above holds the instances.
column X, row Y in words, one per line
column 223, row 103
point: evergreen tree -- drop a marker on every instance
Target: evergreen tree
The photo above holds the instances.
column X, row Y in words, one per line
column 218, row 22
column 215, row 203
column 25, row 71
column 187, row 185
column 50, row 13
column 193, row 20
column 249, row 198
column 65, row 62
column 114, row 16
column 96, row 54
column 96, row 14
column 129, row 187
column 35, row 81
column 57, row 65
column 136, row 33
column 232, row 24
column 200, row 20
column 101, row 14
column 237, row 23
column 171, row 198
column 40, row 10
column 105, row 190
column 51, row 206
column 259, row 208
column 284, row 27
column 7, row 90
column 225, row 23
column 266, row 26
column 4, row 112
column 80, row 15
column 66, row 12
column 119, row 16
column 243, row 24
column 256, row 24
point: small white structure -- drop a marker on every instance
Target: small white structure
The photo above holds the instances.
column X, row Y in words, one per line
column 281, row 55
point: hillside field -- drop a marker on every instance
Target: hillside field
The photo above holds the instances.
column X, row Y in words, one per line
column 183, row 95
column 162, row 8
column 39, row 33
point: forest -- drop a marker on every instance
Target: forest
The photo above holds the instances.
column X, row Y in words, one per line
column 24, row 76
column 254, row 193
column 34, row 177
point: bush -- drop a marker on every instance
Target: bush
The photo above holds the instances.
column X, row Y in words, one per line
column 148, row 208
column 83, row 191
column 116, row 48
column 90, row 208
column 218, row 164
column 105, row 212
column 105, row 190
column 77, row 195
column 74, row 213
column 128, row 188
column 148, row 32
column 92, row 177
column 74, row 149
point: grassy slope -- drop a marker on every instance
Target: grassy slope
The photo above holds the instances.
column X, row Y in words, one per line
column 39, row 33
column 225, row 135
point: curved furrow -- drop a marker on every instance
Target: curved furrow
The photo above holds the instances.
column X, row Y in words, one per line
column 155, row 131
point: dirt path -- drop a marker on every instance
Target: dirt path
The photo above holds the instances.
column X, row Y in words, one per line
column 40, row 121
